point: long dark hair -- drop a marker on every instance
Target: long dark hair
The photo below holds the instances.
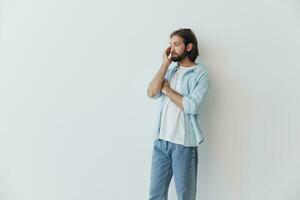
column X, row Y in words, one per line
column 188, row 36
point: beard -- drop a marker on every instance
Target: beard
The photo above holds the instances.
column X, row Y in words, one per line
column 179, row 57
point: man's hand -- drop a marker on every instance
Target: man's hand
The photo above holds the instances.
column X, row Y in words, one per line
column 165, row 86
column 172, row 94
column 167, row 56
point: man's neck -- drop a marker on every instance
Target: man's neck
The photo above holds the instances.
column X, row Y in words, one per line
column 186, row 62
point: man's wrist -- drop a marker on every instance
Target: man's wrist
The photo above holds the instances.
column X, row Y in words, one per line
column 166, row 90
column 165, row 65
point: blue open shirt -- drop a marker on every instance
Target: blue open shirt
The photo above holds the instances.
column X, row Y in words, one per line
column 194, row 87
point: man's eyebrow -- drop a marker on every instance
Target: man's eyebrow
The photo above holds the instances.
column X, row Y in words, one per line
column 174, row 42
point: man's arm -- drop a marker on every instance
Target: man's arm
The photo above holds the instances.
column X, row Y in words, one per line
column 174, row 96
column 189, row 104
column 156, row 84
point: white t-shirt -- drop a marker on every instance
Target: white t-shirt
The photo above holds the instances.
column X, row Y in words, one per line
column 172, row 119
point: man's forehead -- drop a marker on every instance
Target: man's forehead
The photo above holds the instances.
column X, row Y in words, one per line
column 176, row 39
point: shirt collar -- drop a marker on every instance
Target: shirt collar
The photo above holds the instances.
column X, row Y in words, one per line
column 195, row 69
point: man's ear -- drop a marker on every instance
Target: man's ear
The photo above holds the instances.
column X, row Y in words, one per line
column 189, row 47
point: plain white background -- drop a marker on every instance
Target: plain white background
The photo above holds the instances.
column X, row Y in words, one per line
column 76, row 122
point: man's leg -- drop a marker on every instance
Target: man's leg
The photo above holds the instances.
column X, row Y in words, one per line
column 161, row 172
column 185, row 162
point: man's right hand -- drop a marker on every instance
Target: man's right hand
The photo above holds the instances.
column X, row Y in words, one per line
column 167, row 56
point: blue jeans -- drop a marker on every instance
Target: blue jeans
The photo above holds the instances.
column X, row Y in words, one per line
column 167, row 159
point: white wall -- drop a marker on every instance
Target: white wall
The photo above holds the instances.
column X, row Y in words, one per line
column 75, row 119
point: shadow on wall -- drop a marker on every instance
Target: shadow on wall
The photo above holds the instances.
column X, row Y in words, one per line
column 227, row 112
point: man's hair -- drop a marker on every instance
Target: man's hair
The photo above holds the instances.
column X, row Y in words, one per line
column 188, row 36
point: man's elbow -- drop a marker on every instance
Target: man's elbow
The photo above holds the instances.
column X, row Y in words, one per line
column 150, row 94
column 153, row 95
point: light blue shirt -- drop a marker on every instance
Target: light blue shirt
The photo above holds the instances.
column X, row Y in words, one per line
column 195, row 85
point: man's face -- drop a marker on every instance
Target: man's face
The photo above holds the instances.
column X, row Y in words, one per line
column 178, row 48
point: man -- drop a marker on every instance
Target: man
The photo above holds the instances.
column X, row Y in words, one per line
column 178, row 134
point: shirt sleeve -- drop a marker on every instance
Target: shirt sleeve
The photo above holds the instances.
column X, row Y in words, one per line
column 192, row 102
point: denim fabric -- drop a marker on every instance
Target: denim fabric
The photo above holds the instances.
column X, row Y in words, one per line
column 170, row 159
column 195, row 85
